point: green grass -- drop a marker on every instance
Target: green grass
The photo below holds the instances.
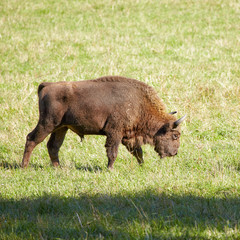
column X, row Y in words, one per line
column 189, row 51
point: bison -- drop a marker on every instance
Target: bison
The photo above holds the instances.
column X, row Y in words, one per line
column 125, row 110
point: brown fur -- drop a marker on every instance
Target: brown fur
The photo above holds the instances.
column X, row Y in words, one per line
column 125, row 110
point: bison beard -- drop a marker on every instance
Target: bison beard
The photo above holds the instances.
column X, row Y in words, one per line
column 125, row 110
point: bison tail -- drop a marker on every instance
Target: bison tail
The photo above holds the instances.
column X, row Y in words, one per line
column 42, row 85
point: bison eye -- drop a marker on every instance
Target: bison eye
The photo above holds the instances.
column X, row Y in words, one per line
column 175, row 136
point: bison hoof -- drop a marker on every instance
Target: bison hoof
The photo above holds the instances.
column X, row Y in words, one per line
column 24, row 165
column 110, row 168
column 55, row 164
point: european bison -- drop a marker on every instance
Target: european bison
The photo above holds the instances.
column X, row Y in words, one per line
column 125, row 110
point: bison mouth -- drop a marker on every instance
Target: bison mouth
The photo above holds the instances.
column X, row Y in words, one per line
column 166, row 153
column 163, row 155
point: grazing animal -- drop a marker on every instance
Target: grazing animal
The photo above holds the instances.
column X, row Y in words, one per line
column 125, row 110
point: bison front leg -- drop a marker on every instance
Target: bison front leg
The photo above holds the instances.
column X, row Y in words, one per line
column 33, row 139
column 54, row 144
column 112, row 144
column 137, row 152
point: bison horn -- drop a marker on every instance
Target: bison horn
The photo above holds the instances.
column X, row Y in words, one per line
column 176, row 123
column 174, row 112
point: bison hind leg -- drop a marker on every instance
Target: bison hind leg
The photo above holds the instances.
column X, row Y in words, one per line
column 33, row 139
column 81, row 137
column 112, row 144
column 54, row 144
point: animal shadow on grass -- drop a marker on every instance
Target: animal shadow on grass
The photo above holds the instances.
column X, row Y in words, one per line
column 15, row 165
column 89, row 168
column 8, row 165
column 128, row 216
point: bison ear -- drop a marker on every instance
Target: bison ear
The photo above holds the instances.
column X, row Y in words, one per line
column 163, row 130
column 174, row 112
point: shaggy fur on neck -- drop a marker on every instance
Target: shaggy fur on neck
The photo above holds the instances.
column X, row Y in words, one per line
column 153, row 112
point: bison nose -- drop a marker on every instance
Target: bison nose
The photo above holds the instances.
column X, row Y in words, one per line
column 162, row 156
column 174, row 153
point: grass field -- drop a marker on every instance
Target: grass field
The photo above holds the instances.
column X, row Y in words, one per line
column 189, row 51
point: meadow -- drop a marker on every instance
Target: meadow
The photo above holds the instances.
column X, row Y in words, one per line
column 189, row 51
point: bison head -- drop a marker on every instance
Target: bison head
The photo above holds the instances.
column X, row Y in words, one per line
column 167, row 138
